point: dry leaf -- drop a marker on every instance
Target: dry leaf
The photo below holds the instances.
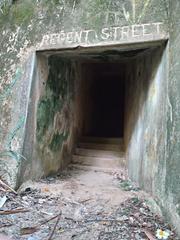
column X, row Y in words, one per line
column 45, row 189
column 28, row 230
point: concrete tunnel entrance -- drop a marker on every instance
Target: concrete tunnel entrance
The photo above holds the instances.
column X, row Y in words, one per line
column 100, row 92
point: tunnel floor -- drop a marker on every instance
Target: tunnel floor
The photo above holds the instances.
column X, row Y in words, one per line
column 81, row 204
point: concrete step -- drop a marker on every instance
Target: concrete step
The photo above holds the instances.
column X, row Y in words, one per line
column 96, row 169
column 98, row 153
column 99, row 161
column 101, row 146
column 117, row 141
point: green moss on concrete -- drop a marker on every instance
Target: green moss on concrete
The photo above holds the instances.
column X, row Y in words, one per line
column 4, row 15
column 57, row 141
column 5, row 9
column 45, row 117
column 22, row 12
column 52, row 102
column 57, row 81
column 55, row 92
column 53, row 115
column 19, row 13
column 178, row 210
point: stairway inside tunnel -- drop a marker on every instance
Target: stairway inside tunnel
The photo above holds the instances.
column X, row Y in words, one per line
column 116, row 99
column 103, row 105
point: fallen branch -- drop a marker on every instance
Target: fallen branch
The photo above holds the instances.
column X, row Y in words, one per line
column 9, row 212
column 7, row 186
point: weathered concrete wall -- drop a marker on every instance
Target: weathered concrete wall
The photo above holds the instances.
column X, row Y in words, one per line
column 53, row 114
column 49, row 127
column 27, row 26
column 171, row 196
column 145, row 118
column 152, row 116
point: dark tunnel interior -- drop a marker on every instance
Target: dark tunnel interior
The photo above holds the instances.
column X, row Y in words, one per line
column 106, row 100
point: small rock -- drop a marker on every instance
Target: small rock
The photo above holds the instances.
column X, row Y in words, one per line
column 25, row 198
column 131, row 219
column 2, row 201
column 33, row 238
column 144, row 224
column 41, row 201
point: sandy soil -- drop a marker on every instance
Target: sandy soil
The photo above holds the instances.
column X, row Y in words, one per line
column 91, row 204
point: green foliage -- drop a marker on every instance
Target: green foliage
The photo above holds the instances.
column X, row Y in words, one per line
column 127, row 185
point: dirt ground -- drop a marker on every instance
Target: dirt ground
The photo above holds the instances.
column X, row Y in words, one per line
column 77, row 204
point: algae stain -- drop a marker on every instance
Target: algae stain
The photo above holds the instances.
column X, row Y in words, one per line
column 22, row 12
column 57, row 141
column 51, row 103
column 44, row 117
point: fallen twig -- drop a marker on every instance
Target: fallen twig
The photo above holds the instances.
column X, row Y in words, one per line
column 6, row 225
column 30, row 230
column 101, row 220
column 149, row 235
column 93, row 220
column 53, row 231
column 2, row 189
column 50, row 219
column 86, row 200
column 7, row 186
column 8, row 212
column 71, row 219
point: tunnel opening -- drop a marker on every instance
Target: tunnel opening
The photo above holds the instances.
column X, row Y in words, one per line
column 104, row 108
column 111, row 89
column 118, row 97
column 100, row 101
